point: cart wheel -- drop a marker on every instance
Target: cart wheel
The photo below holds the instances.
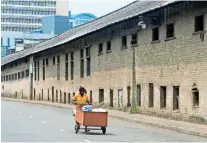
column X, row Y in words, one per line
column 76, row 129
column 103, row 129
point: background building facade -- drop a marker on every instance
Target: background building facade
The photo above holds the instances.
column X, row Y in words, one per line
column 18, row 17
column 79, row 19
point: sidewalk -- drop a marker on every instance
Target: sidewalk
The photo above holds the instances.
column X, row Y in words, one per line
column 179, row 126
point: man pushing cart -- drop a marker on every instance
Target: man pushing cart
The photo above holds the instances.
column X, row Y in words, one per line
column 89, row 116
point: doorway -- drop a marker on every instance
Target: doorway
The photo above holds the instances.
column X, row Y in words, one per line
column 53, row 94
column 101, row 95
column 91, row 97
column 111, row 93
column 139, row 95
column 64, row 97
column 151, row 95
column 175, row 97
column 120, row 98
column 128, row 96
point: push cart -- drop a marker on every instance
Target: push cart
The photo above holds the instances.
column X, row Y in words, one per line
column 91, row 120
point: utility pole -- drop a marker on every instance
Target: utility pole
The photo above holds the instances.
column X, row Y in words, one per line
column 134, row 109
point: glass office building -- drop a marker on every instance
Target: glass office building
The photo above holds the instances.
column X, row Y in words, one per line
column 24, row 16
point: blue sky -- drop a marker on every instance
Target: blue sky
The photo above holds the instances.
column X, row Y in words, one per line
column 96, row 7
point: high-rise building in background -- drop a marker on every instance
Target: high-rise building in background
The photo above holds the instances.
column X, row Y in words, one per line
column 20, row 17
column 25, row 23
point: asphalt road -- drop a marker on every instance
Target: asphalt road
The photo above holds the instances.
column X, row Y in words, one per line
column 22, row 122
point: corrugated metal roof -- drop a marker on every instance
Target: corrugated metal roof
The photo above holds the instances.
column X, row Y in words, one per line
column 131, row 10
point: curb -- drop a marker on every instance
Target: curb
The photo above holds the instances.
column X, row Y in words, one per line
column 163, row 126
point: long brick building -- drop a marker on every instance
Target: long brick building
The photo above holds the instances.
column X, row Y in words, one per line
column 171, row 61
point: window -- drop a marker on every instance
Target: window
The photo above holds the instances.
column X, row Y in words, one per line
column 199, row 23
column 163, row 96
column 53, row 60
column 35, row 70
column 124, row 41
column 66, row 57
column 88, row 61
column 38, row 70
column 100, row 48
column 26, row 60
column 88, row 66
column 43, row 70
column 134, row 39
column 88, row 52
column 43, row 62
column 195, row 96
column 15, row 63
column 66, row 66
column 170, row 30
column 47, row 62
column 81, row 64
column 58, row 59
column 81, row 53
column 58, row 67
column 66, row 71
column 27, row 73
column 108, row 48
column 22, row 74
column 155, row 34
column 82, row 68
column 71, row 67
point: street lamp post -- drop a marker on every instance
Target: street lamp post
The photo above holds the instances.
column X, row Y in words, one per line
column 134, row 89
column 134, row 109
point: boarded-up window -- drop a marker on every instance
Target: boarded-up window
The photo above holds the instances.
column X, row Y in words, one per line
column 175, row 97
column 151, row 95
column 163, row 97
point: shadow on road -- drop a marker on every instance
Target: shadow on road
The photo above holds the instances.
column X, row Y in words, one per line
column 95, row 133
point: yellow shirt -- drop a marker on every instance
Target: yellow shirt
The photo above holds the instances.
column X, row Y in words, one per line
column 80, row 98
